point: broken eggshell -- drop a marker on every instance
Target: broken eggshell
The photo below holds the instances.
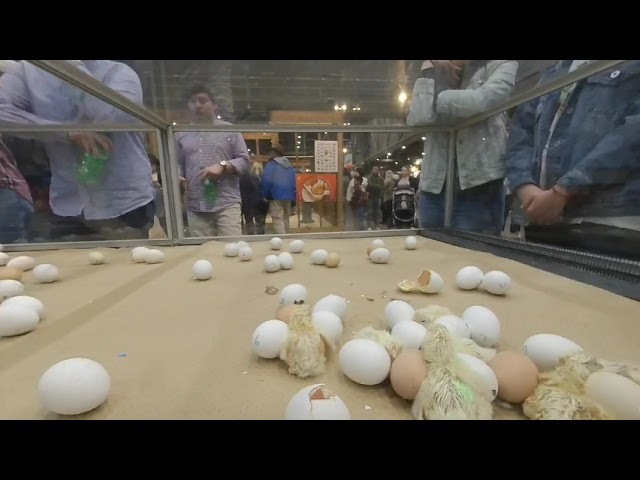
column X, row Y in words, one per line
column 427, row 282
column 316, row 402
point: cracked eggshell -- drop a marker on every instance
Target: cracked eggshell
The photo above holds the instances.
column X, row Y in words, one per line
column 316, row 402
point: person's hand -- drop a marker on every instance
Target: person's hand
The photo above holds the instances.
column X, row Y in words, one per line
column 526, row 194
column 545, row 207
column 93, row 143
column 211, row 172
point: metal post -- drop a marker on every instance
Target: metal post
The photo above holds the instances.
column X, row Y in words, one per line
column 450, row 180
column 173, row 197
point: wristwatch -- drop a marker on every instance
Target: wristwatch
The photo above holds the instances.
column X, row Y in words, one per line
column 224, row 164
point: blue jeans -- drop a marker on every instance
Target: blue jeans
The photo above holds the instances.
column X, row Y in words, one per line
column 15, row 214
column 479, row 209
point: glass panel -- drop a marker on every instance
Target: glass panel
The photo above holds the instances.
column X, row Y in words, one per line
column 54, row 192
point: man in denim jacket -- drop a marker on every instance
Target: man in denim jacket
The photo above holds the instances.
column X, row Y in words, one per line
column 573, row 155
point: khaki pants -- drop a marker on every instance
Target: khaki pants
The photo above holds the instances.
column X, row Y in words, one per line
column 225, row 223
column 280, row 211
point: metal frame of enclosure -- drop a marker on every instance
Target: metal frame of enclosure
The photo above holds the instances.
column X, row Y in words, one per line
column 164, row 134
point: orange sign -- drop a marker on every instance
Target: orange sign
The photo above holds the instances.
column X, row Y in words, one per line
column 314, row 187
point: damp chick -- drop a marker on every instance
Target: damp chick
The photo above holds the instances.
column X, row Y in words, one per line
column 430, row 314
column 468, row 346
column 391, row 344
column 305, row 350
column 451, row 390
column 560, row 392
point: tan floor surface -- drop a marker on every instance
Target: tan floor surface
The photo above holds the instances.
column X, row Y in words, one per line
column 187, row 343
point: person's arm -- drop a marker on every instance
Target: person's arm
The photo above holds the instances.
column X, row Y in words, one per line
column 467, row 102
column 267, row 179
column 518, row 155
column 181, row 160
column 613, row 159
column 240, row 162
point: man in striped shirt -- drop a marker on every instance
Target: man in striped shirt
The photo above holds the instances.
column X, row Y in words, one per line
column 211, row 163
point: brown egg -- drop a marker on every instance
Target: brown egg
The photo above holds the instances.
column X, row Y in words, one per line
column 371, row 249
column 8, row 273
column 408, row 371
column 333, row 260
column 517, row 376
column 285, row 313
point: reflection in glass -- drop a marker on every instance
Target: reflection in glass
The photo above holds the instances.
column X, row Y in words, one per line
column 98, row 184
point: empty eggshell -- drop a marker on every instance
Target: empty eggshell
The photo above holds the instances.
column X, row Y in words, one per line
column 469, row 278
column 408, row 371
column 296, row 246
column 496, row 283
column 23, row 263
column 17, row 319
column 328, row 324
column 275, row 243
column 202, row 270
column 293, row 294
column 4, row 259
column 332, row 261
column 332, row 303
column 316, row 402
column 96, row 258
column 430, row 282
column 484, row 325
column 11, row 288
column 231, row 250
column 27, row 302
column 46, row 273
column 271, row 264
column 139, row 254
column 286, row 260
column 396, row 311
column 410, row 243
column 318, row 257
column 269, row 338
column 483, row 371
column 74, row 386
column 245, row 254
column 410, row 333
column 380, row 255
column 364, row 361
column 546, row 350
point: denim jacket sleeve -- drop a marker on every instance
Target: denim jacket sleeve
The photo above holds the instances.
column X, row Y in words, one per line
column 468, row 102
column 614, row 156
column 519, row 150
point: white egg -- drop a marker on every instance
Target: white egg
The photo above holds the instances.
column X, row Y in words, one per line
column 139, row 254
column 269, row 338
column 483, row 371
column 17, row 319
column 293, row 294
column 469, row 278
column 296, row 246
column 319, row 256
column 202, row 270
column 4, row 259
column 364, row 361
column 328, row 324
column 410, row 243
column 11, row 288
column 619, row 396
column 46, row 273
column 286, row 260
column 271, row 263
column 27, row 302
column 231, row 250
column 154, row 256
column 546, row 350
column 22, row 263
column 483, row 324
column 380, row 255
column 275, row 243
column 316, row 402
column 455, row 325
column 74, row 386
column 332, row 303
column 436, row 284
column 96, row 258
column 377, row 243
column 411, row 334
column 241, row 244
column 496, row 283
column 245, row 254
column 396, row 311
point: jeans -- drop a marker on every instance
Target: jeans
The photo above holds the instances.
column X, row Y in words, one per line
column 15, row 214
column 478, row 209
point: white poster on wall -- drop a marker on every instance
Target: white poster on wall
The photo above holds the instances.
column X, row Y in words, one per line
column 326, row 156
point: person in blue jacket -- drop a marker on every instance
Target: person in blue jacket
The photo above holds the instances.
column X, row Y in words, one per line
column 573, row 155
column 279, row 188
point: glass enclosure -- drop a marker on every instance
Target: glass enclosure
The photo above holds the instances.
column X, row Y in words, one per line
column 181, row 151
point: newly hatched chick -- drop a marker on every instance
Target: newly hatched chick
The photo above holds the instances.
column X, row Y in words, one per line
column 305, row 350
column 452, row 390
column 468, row 346
column 391, row 344
column 560, row 392
column 430, row 313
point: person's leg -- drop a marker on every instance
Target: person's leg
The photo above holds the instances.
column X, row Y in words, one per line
column 202, row 224
column 135, row 224
column 248, row 213
column 276, row 210
column 15, row 213
column 431, row 210
column 287, row 213
column 480, row 209
column 229, row 221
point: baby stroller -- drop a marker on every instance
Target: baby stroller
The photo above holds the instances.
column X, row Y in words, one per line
column 403, row 207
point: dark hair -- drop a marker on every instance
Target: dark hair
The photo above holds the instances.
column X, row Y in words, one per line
column 200, row 88
column 153, row 159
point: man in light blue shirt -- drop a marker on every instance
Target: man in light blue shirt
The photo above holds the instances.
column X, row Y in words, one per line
column 121, row 204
